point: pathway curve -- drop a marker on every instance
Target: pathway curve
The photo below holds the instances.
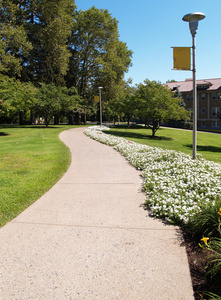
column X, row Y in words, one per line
column 90, row 238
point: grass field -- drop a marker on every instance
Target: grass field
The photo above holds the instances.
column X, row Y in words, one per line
column 32, row 160
column 208, row 144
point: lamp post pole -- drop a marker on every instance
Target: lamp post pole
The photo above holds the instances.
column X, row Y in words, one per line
column 194, row 99
column 193, row 19
column 100, row 106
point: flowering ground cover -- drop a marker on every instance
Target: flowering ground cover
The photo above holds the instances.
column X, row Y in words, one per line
column 177, row 187
column 184, row 192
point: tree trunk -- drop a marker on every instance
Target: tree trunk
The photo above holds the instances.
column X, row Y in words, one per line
column 155, row 127
column 77, row 120
column 56, row 119
column 32, row 118
column 128, row 122
column 70, row 119
column 21, row 117
column 46, row 121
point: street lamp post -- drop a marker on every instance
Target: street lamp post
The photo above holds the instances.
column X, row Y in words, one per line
column 100, row 105
column 193, row 19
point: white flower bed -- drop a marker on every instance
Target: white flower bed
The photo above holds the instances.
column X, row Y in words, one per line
column 177, row 187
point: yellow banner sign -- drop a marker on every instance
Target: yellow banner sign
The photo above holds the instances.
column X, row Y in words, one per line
column 181, row 58
column 96, row 99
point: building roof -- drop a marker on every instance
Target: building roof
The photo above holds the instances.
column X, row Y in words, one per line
column 187, row 85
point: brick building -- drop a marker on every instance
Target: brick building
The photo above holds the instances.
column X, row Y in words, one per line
column 208, row 100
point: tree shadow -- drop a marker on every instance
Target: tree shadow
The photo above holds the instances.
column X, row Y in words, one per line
column 3, row 134
column 205, row 148
column 135, row 135
column 28, row 126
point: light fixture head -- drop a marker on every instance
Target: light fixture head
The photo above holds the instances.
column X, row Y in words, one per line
column 193, row 17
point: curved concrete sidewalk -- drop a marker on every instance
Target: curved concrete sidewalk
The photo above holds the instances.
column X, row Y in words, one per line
column 90, row 238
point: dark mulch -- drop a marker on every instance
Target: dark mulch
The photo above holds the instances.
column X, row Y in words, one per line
column 197, row 258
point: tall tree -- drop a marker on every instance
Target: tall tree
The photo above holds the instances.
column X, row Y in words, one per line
column 157, row 103
column 48, row 24
column 14, row 43
column 123, row 103
column 98, row 58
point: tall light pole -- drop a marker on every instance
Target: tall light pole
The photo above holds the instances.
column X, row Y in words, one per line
column 100, row 105
column 193, row 19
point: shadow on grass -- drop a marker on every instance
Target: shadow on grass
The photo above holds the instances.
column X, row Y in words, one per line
column 3, row 134
column 206, row 148
column 136, row 135
column 51, row 126
column 30, row 126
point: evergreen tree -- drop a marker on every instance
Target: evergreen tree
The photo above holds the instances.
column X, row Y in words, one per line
column 48, row 25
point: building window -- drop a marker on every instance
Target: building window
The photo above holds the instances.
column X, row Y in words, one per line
column 187, row 97
column 203, row 96
column 215, row 123
column 203, row 110
column 213, row 96
column 218, row 96
column 203, row 124
column 216, row 112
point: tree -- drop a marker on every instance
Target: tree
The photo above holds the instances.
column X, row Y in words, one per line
column 53, row 100
column 47, row 41
column 17, row 99
column 98, row 57
column 48, row 25
column 157, row 103
column 123, row 103
column 14, row 42
column 115, row 104
column 170, row 80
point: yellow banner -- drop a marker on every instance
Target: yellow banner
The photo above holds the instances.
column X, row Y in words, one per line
column 96, row 99
column 181, row 58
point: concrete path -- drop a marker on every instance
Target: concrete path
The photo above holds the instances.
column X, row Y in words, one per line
column 90, row 238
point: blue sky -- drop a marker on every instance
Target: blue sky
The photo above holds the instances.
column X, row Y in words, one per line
column 151, row 28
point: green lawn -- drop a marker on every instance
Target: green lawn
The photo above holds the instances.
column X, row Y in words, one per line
column 208, row 144
column 32, row 160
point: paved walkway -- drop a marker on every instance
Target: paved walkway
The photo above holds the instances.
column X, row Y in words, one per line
column 90, row 238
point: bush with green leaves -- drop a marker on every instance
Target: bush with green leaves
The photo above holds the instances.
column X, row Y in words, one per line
column 207, row 222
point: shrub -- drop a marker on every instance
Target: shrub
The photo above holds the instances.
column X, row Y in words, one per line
column 207, row 221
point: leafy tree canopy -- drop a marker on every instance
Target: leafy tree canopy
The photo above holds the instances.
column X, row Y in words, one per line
column 98, row 58
column 52, row 100
column 13, row 39
column 15, row 96
column 157, row 103
column 50, row 42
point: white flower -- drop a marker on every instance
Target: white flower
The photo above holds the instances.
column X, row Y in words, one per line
column 176, row 185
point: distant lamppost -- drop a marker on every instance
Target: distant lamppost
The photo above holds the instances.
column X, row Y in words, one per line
column 193, row 19
column 100, row 105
